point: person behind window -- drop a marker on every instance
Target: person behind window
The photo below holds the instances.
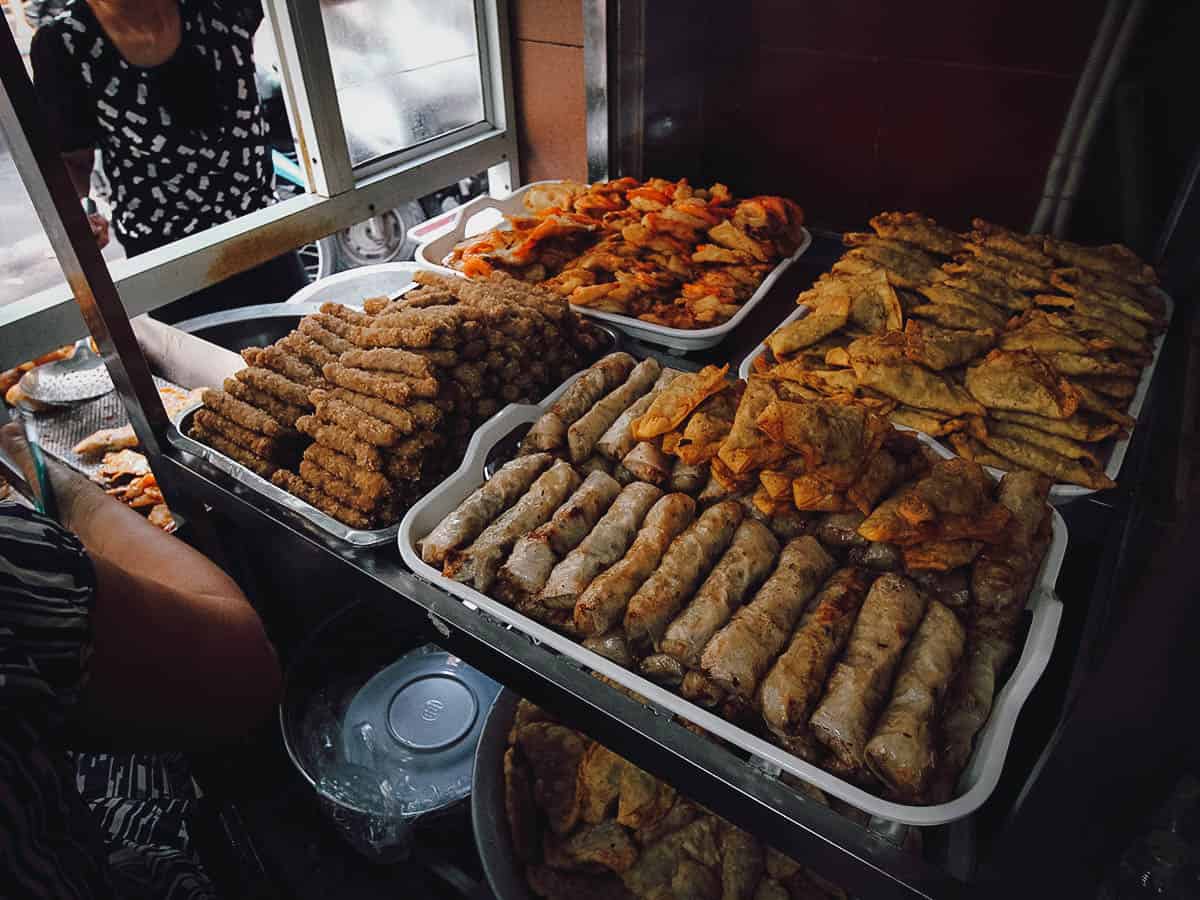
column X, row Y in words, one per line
column 166, row 90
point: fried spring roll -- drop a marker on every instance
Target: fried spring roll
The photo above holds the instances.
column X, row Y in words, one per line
column 688, row 479
column 605, row 545
column 586, row 431
column 618, row 440
column 647, row 462
column 900, row 752
column 477, row 564
column 861, row 681
column 612, row 646
column 534, row 556
column 686, row 562
column 739, row 654
column 550, row 431
column 602, row 605
column 749, row 559
column 475, row 513
column 793, row 686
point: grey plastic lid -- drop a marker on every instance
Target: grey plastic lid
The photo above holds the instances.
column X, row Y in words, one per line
column 416, row 724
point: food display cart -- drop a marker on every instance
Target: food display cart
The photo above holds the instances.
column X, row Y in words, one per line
column 301, row 565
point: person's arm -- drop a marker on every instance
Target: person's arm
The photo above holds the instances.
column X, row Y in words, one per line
column 180, row 658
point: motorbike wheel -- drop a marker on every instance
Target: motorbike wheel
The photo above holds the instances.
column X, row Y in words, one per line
column 381, row 239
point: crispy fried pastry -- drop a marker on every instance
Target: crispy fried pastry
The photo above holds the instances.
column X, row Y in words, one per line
column 341, row 440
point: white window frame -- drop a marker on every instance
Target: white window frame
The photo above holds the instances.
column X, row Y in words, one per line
column 339, row 195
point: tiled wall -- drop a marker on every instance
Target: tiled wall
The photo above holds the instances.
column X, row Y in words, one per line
column 548, row 74
column 949, row 107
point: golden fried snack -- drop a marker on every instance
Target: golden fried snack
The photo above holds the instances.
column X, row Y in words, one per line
column 1025, row 247
column 400, row 419
column 242, row 413
column 308, row 350
column 1113, row 259
column 880, row 363
column 676, row 401
column 283, row 362
column 1020, row 380
column 342, row 491
column 953, row 316
column 746, row 447
column 1064, row 446
column 370, row 429
column 1115, row 387
column 1079, row 427
column 977, row 304
column 1093, row 364
column 1032, row 456
column 256, row 443
column 940, row 348
column 1016, row 273
column 969, row 448
column 1093, row 402
column 389, row 359
column 822, row 320
column 914, row 228
column 282, row 412
column 256, row 464
column 276, row 385
column 341, row 440
column 298, row 487
column 940, row 556
column 931, row 423
column 392, row 390
column 332, row 339
column 370, row 484
column 997, row 293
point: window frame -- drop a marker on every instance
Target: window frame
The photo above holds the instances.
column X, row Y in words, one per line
column 339, row 195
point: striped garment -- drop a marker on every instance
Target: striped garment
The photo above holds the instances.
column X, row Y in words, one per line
column 74, row 825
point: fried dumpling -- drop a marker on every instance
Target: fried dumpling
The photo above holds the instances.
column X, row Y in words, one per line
column 1020, row 380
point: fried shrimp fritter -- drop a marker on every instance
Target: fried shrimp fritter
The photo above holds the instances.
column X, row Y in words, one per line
column 388, row 359
column 341, row 440
column 370, row 429
column 294, row 484
column 369, row 484
column 242, row 413
column 261, row 467
column 256, row 443
column 276, row 385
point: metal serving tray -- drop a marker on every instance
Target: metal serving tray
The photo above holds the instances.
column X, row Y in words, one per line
column 1060, row 493
column 983, row 770
column 431, row 253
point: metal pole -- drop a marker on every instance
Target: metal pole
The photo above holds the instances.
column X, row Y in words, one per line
column 54, row 197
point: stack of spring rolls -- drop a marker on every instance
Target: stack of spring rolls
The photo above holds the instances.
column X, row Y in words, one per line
column 358, row 412
column 1023, row 350
column 865, row 631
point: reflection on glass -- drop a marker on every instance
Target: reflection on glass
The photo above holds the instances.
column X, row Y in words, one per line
column 406, row 70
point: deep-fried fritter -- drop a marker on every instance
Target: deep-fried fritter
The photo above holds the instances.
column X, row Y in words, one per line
column 276, row 385
column 370, row 484
column 256, row 464
column 242, row 413
column 256, row 443
column 341, row 440
column 370, row 429
column 296, row 485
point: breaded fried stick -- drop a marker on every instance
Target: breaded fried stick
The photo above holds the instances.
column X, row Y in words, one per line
column 242, row 413
column 283, row 362
column 370, row 429
column 256, row 464
column 331, row 339
column 276, row 385
column 282, row 412
column 256, row 443
column 390, row 386
column 341, row 440
column 396, row 416
column 307, row 349
column 297, row 486
column 388, row 359
column 341, row 491
column 346, row 314
column 371, row 485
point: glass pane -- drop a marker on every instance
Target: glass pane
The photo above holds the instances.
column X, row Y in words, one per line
column 405, row 70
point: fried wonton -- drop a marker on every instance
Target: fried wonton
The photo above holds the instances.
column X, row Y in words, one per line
column 746, row 447
column 1064, row 446
column 874, row 306
column 1087, row 305
column 1113, row 259
column 1016, row 273
column 930, row 423
column 957, row 317
column 940, row 556
column 554, row 753
column 1020, row 380
column 914, row 228
column 880, row 363
column 827, row 313
column 1079, row 427
column 1068, row 282
column 1095, row 364
column 949, row 296
column 997, row 293
column 969, row 448
column 904, row 264
column 1032, row 456
column 942, row 348
column 1025, row 247
column 1047, row 333
column 950, row 503
column 677, row 400
column 878, row 476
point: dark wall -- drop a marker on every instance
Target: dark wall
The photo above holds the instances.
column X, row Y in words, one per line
column 948, row 107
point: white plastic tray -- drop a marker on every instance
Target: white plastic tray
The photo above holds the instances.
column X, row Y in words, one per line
column 1060, row 493
column 983, row 770
column 431, row 253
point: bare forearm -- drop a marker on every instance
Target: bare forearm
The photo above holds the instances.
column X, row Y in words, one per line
column 79, row 167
